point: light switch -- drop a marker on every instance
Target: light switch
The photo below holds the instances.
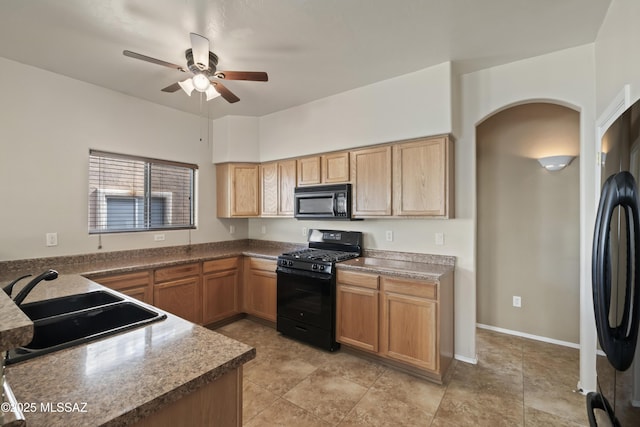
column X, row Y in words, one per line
column 439, row 239
column 52, row 239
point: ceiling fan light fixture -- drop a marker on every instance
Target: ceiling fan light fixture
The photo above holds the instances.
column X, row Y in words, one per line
column 211, row 93
column 187, row 86
column 201, row 83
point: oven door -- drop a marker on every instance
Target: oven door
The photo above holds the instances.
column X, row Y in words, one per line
column 306, row 297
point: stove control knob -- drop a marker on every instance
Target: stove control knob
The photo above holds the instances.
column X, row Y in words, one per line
column 322, row 268
column 314, row 266
column 290, row 263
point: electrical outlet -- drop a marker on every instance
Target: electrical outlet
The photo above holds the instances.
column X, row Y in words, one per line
column 232, row 229
column 264, row 229
column 389, row 235
column 304, row 232
column 517, row 301
column 52, row 239
column 158, row 237
column 439, row 239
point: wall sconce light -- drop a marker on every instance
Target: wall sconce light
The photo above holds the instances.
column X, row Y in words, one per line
column 555, row 163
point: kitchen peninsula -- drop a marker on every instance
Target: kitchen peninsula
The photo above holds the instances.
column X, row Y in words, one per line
column 130, row 378
column 154, row 375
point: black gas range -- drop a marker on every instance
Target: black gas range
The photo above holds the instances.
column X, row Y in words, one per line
column 307, row 286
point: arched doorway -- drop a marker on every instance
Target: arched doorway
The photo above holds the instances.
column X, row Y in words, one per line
column 528, row 232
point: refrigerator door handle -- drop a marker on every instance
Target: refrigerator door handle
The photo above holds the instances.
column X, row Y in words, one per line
column 619, row 341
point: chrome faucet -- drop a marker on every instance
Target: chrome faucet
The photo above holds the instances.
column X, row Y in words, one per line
column 47, row 275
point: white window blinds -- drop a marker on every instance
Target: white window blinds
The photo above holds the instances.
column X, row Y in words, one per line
column 130, row 193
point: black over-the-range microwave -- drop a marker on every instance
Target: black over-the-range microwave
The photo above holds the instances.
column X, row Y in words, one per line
column 323, row 202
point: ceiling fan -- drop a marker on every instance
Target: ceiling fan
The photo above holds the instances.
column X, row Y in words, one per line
column 202, row 64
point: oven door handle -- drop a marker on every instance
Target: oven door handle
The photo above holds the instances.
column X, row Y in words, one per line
column 302, row 273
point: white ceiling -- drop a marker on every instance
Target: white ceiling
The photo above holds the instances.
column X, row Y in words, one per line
column 310, row 48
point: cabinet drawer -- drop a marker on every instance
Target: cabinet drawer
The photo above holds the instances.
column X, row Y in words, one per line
column 417, row 288
column 355, row 278
column 220, row 265
column 262, row 264
column 126, row 280
column 176, row 272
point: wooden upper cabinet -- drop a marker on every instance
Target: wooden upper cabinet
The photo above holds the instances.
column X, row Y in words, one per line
column 371, row 177
column 278, row 181
column 335, row 167
column 423, row 178
column 331, row 168
column 269, row 188
column 287, row 176
column 237, row 190
column 309, row 171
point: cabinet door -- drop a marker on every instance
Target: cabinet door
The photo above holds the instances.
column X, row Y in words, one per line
column 421, row 178
column 137, row 285
column 335, row 167
column 309, row 170
column 409, row 330
column 371, row 177
column 260, row 294
column 287, row 173
column 237, row 190
column 180, row 297
column 357, row 317
column 245, row 191
column 269, row 188
column 219, row 296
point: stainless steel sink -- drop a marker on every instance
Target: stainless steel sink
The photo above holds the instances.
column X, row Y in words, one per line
column 69, row 321
column 53, row 307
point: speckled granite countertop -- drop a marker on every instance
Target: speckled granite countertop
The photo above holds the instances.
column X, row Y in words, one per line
column 124, row 377
column 400, row 268
column 101, row 263
column 15, row 327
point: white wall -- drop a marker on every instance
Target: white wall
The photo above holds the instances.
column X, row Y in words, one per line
column 235, row 139
column 616, row 53
column 565, row 77
column 46, row 130
column 408, row 106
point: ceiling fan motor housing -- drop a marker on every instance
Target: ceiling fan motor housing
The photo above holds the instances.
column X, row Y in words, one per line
column 200, row 68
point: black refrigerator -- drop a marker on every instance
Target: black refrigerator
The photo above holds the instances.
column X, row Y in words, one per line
column 616, row 277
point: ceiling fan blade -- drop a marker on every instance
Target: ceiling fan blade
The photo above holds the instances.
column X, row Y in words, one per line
column 152, row 60
column 225, row 93
column 256, row 76
column 172, row 88
column 200, row 49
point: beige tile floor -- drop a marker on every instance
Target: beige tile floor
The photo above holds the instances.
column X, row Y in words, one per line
column 517, row 382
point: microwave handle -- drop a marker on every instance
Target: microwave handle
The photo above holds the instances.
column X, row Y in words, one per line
column 334, row 203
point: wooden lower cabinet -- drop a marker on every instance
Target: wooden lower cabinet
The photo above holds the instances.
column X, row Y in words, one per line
column 220, row 289
column 409, row 330
column 357, row 311
column 218, row 403
column 406, row 321
column 259, row 288
column 137, row 285
column 178, row 290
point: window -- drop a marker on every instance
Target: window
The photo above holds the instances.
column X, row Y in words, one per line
column 128, row 193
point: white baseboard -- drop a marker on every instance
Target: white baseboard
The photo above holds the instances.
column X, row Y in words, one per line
column 530, row 336
column 472, row 360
